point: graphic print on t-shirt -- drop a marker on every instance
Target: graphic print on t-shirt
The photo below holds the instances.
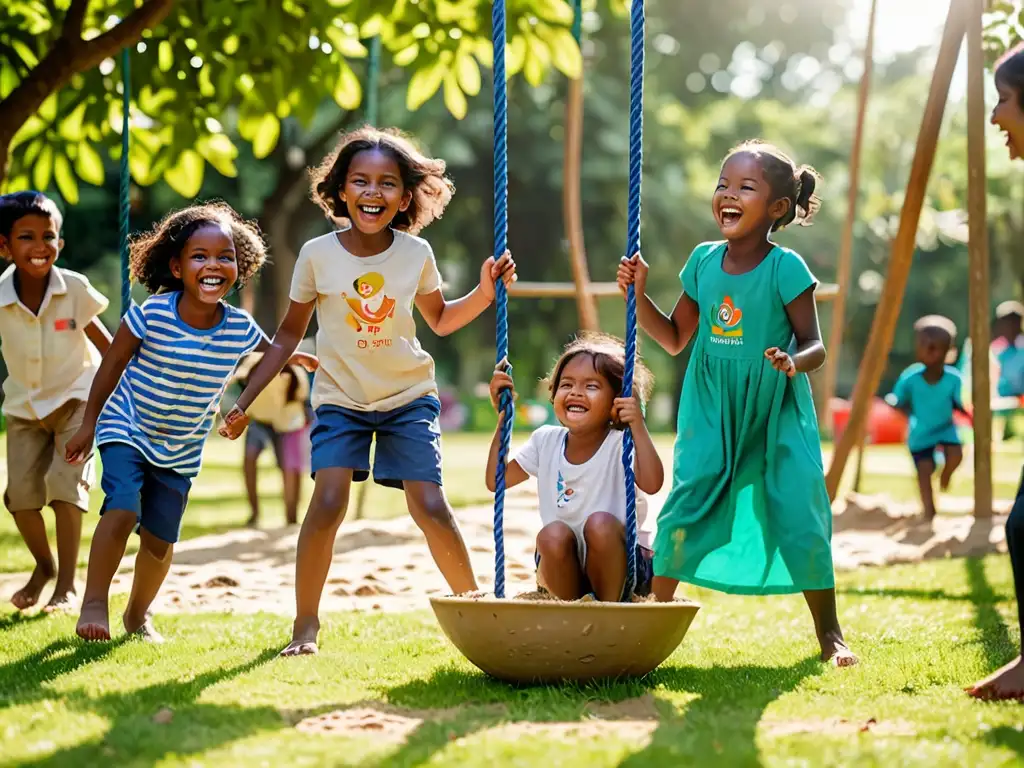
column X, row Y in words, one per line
column 726, row 325
column 565, row 494
column 369, row 310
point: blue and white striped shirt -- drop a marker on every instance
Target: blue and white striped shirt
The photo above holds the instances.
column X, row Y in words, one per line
column 169, row 394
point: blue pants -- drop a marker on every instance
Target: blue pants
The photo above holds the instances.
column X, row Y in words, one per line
column 158, row 496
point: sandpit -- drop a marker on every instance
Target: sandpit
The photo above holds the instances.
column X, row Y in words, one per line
column 385, row 566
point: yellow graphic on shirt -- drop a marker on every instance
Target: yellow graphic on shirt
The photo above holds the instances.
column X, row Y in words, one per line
column 369, row 309
column 727, row 320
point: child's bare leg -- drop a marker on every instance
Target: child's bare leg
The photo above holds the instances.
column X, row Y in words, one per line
column 105, row 555
column 822, row 603
column 313, row 555
column 559, row 570
column 664, row 588
column 954, row 456
column 292, row 487
column 69, row 541
column 925, row 470
column 151, row 566
column 251, row 485
column 606, row 555
column 33, row 532
column 432, row 513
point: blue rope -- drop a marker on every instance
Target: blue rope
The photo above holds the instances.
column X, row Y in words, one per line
column 126, row 98
column 636, row 151
column 501, row 296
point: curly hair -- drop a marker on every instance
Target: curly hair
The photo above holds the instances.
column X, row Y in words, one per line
column 151, row 253
column 424, row 176
column 608, row 355
column 787, row 181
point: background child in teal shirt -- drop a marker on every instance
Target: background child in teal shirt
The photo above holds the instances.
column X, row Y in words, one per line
column 929, row 392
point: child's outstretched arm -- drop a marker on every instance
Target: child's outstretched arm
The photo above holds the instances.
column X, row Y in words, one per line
column 122, row 350
column 810, row 351
column 514, row 474
column 445, row 317
column 275, row 358
column 672, row 332
column 650, row 472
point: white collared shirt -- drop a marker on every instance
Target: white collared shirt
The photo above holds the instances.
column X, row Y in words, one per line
column 49, row 358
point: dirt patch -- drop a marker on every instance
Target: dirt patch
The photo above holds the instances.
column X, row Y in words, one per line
column 837, row 726
column 385, row 566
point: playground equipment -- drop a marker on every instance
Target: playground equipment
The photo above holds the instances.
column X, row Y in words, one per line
column 535, row 641
column 964, row 17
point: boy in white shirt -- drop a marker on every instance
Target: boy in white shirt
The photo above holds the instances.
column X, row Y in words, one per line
column 52, row 342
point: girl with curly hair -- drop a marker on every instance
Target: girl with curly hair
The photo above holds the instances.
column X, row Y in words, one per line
column 156, row 393
column 375, row 380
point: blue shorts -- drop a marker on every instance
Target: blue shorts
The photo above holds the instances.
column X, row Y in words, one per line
column 644, row 571
column 928, row 454
column 156, row 495
column 408, row 442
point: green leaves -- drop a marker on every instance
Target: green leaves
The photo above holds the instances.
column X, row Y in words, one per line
column 217, row 63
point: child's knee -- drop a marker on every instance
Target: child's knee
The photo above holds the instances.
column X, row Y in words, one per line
column 603, row 530
column 433, row 510
column 556, row 541
column 328, row 505
column 156, row 548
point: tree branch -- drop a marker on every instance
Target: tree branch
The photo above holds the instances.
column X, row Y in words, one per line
column 73, row 20
column 70, row 57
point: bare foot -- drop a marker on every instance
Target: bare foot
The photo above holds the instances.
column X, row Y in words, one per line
column 94, row 623
column 144, row 631
column 304, row 634
column 64, row 600
column 252, row 522
column 1001, row 685
column 835, row 651
column 28, row 595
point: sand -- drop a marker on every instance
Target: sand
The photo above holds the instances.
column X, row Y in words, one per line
column 385, row 566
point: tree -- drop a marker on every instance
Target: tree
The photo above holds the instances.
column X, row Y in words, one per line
column 198, row 63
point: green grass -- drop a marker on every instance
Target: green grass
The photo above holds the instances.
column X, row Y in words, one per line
column 747, row 667
column 218, row 502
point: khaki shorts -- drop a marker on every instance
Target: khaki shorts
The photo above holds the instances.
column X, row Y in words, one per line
column 37, row 474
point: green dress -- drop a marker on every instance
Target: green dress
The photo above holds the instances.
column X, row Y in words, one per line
column 748, row 512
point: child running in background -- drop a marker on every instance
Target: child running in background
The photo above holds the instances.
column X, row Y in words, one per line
column 277, row 419
column 52, row 340
column 578, row 465
column 156, row 394
column 748, row 512
column 1008, row 349
column 929, row 392
column 375, row 380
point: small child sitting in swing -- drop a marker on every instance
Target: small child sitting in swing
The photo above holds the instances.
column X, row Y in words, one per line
column 581, row 550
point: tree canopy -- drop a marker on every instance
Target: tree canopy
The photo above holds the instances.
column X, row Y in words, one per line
column 198, row 65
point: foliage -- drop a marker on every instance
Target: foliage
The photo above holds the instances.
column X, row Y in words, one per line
column 1003, row 27
column 251, row 64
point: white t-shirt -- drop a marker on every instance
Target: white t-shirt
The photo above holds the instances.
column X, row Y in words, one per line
column 573, row 492
column 370, row 358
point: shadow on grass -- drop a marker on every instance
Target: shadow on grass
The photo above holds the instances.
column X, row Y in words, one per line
column 1008, row 738
column 719, row 725
column 995, row 636
column 24, row 680
column 196, row 727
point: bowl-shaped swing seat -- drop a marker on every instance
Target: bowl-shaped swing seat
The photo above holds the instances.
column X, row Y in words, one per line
column 529, row 641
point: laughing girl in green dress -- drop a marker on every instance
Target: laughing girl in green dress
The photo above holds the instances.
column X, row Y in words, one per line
column 748, row 513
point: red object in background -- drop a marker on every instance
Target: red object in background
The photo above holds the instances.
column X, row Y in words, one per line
column 886, row 425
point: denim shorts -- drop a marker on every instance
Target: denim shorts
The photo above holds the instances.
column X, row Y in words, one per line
column 928, row 454
column 156, row 495
column 408, row 442
column 291, row 449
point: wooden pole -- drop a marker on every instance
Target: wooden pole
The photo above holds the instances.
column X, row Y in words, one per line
column 883, row 327
column 979, row 261
column 572, row 206
column 844, row 267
